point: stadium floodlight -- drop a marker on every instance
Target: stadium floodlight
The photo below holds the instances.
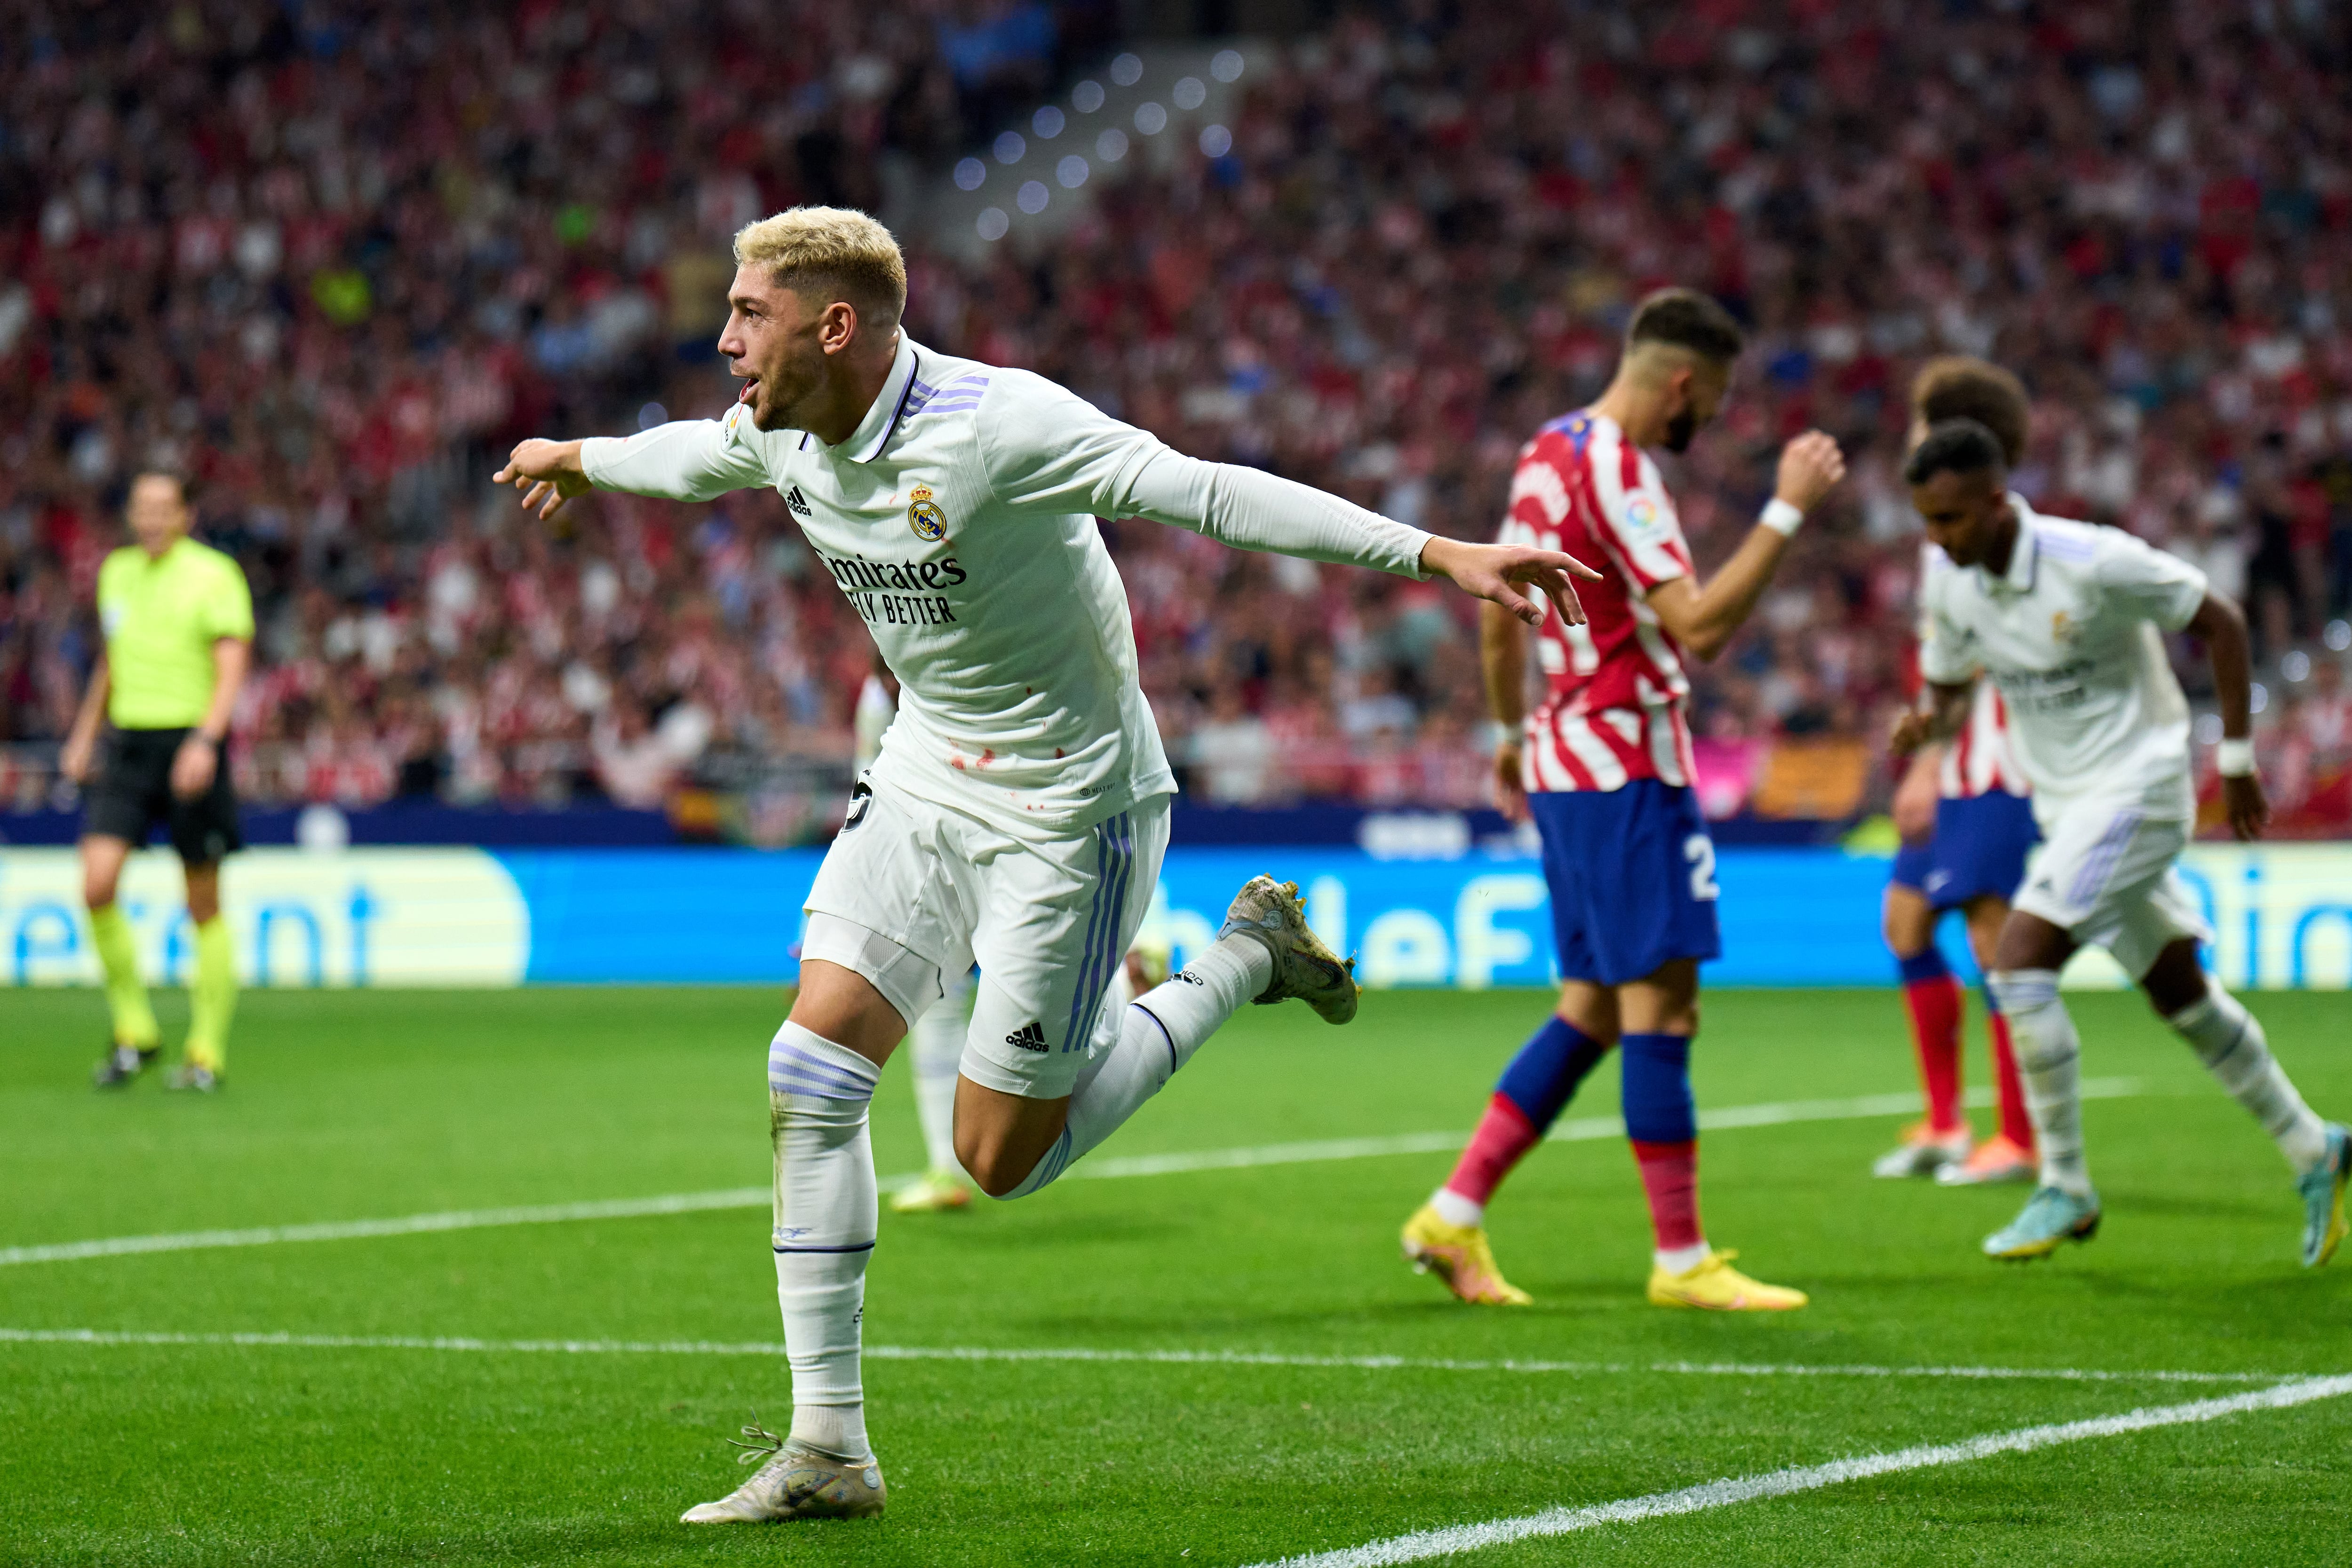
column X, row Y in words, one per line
column 1226, row 65
column 1087, row 97
column 1011, row 147
column 1150, row 118
column 1190, row 93
column 1047, row 123
column 1032, row 197
column 1071, row 171
column 1215, row 141
column 970, row 173
column 992, row 223
column 1127, row 70
column 1111, row 146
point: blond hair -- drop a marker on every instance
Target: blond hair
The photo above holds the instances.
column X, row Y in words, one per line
column 829, row 254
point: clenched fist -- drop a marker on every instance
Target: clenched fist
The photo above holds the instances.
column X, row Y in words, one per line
column 1811, row 466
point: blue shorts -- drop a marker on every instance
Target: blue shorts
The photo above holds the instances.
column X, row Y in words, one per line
column 1978, row 848
column 1632, row 873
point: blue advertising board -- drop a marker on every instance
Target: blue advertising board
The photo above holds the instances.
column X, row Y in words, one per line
column 453, row 916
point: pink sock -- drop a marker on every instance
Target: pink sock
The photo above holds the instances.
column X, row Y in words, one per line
column 1503, row 1139
column 1670, row 1177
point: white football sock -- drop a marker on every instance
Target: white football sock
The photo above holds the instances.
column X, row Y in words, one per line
column 1455, row 1210
column 826, row 1225
column 2049, row 1061
column 1680, row 1261
column 835, row 1429
column 2231, row 1043
column 1157, row 1034
column 936, row 1044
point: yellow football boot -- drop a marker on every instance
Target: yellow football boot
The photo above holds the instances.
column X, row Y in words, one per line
column 938, row 1191
column 1458, row 1254
column 1714, row 1285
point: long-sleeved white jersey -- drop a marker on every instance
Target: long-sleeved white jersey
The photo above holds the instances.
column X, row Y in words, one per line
column 959, row 520
column 2072, row 635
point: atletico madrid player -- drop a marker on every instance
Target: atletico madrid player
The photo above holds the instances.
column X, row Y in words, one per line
column 1604, row 767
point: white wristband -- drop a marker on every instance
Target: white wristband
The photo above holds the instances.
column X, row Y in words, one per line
column 2235, row 759
column 1783, row 517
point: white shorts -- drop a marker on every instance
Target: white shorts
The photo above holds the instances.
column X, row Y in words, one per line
column 2104, row 872
column 913, row 891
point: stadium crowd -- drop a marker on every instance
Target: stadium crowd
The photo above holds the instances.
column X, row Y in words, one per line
column 332, row 262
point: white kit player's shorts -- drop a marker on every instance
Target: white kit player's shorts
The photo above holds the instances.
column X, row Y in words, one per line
column 912, row 892
column 2104, row 872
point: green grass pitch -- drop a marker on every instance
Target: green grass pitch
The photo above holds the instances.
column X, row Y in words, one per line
column 355, row 1104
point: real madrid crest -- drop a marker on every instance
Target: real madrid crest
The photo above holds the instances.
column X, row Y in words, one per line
column 923, row 515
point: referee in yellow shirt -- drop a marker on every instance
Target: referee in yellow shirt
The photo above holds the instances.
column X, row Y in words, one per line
column 178, row 620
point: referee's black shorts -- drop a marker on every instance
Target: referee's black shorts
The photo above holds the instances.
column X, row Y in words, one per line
column 132, row 792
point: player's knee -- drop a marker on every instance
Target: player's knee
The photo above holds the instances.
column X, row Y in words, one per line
column 988, row 1162
column 2176, row 981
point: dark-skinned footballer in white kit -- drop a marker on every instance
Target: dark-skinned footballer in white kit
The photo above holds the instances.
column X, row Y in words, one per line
column 2066, row 619
column 1018, row 810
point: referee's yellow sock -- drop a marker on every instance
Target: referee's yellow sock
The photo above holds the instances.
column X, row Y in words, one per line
column 214, row 999
column 126, row 999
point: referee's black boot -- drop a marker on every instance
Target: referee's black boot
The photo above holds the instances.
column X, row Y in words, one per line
column 121, row 1063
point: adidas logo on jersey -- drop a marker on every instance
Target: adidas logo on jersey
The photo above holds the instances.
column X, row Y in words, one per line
column 793, row 500
column 1030, row 1036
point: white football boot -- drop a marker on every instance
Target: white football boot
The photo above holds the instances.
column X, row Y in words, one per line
column 795, row 1483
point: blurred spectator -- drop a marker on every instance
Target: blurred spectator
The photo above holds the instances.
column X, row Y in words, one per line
column 336, row 261
column 1234, row 759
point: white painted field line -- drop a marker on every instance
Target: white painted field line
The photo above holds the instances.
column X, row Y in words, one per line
column 1576, row 1130
column 1078, row 1354
column 1778, row 1113
column 402, row 1224
column 1426, row 1544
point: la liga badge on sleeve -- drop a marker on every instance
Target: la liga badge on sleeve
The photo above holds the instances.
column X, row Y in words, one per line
column 923, row 515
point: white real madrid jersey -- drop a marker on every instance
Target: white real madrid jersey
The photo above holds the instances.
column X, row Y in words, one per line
column 2072, row 635
column 959, row 518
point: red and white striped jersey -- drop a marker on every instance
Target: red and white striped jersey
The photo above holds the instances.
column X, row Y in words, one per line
column 1616, row 708
column 1979, row 760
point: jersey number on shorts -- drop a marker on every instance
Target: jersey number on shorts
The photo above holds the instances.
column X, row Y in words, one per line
column 861, row 798
column 1699, row 850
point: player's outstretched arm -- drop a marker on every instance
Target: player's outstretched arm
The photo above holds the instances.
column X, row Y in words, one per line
column 2220, row 625
column 547, row 473
column 1705, row 620
column 1044, row 447
column 1497, row 574
column 686, row 460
